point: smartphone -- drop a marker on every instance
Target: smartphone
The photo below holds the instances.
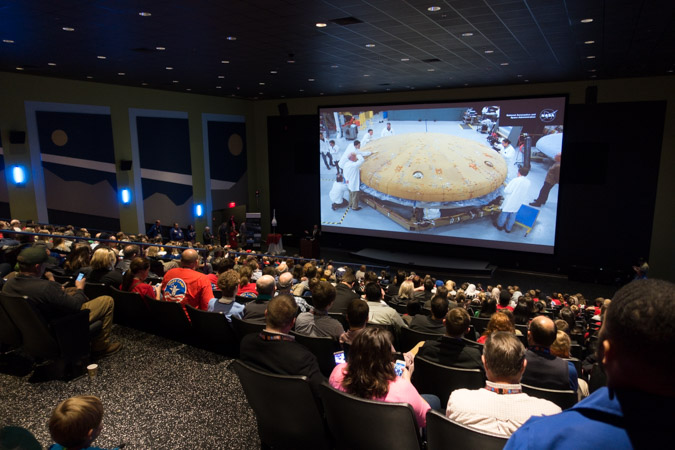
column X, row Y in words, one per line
column 80, row 276
column 339, row 357
column 399, row 366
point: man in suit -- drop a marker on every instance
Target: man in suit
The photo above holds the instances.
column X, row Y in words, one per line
column 344, row 293
column 274, row 350
column 451, row 349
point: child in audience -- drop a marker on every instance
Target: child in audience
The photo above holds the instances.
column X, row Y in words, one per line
column 76, row 422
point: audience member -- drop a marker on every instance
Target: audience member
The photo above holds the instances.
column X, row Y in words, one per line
column 102, row 267
column 451, row 349
column 228, row 282
column 434, row 323
column 499, row 321
column 379, row 312
column 317, row 322
column 76, row 423
column 134, row 277
column 344, row 292
column 635, row 409
column 501, row 406
column 357, row 317
column 255, row 310
column 187, row 286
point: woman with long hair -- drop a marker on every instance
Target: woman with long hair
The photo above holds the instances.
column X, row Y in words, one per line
column 405, row 293
column 133, row 279
column 369, row 373
column 499, row 321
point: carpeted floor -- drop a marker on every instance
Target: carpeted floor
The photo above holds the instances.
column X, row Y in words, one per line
column 157, row 394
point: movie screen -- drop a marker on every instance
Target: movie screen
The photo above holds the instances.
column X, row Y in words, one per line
column 478, row 173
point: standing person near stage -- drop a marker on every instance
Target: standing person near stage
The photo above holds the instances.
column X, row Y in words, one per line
column 324, row 149
column 387, row 131
column 176, row 234
column 515, row 196
column 352, row 174
column 207, row 236
column 155, row 230
column 552, row 178
column 509, row 154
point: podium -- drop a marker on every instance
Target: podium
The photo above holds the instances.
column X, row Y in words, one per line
column 309, row 248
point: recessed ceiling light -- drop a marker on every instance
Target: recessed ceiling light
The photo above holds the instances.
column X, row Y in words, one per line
column 431, row 70
column 487, row 52
column 221, row 76
column 89, row 77
column 586, row 20
column 260, row 93
column 169, row 68
column 589, row 42
column 175, row 81
column 188, row 89
column 504, row 64
column 161, row 49
column 8, row 41
column 225, row 61
column 594, row 76
column 291, row 61
column 467, row 34
column 434, row 8
column 526, row 81
column 219, row 87
column 51, row 64
column 334, row 66
column 405, row 59
column 144, row 84
column 590, row 57
column 320, row 93
column 121, row 73
column 466, row 84
column 273, row 71
column 68, row 29
column 310, row 79
column 101, row 57
column 261, row 83
column 366, row 75
column 301, row 90
column 144, row 14
column 370, row 45
column 591, row 70
column 519, row 76
column 231, row 38
column 320, row 25
column 670, row 70
column 19, row 68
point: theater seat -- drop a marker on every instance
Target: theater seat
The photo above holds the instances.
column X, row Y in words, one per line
column 563, row 398
column 442, row 431
column 432, row 378
column 323, row 348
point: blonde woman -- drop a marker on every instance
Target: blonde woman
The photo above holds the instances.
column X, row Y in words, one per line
column 405, row 293
column 103, row 268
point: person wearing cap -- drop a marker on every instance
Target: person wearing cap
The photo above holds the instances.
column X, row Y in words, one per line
column 52, row 301
column 228, row 282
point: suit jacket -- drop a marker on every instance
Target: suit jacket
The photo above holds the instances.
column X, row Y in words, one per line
column 547, row 371
column 343, row 297
column 426, row 324
column 283, row 357
column 452, row 352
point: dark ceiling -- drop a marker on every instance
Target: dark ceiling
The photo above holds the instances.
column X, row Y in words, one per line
column 273, row 48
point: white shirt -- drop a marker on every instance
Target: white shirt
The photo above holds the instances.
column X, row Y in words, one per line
column 501, row 414
column 352, row 172
column 323, row 147
column 385, row 132
column 334, row 149
column 337, row 192
column 516, row 194
column 367, row 138
column 509, row 154
column 384, row 315
column 351, row 149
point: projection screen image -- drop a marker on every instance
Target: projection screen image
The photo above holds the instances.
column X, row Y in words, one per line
column 477, row 173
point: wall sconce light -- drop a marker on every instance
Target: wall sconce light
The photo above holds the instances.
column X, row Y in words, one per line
column 199, row 210
column 125, row 196
column 18, row 175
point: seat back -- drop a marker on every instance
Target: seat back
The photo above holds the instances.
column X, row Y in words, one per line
column 38, row 341
column 286, row 411
column 242, row 299
column 93, row 290
column 10, row 335
column 441, row 431
column 323, row 348
column 131, row 309
column 340, row 318
column 171, row 319
column 563, row 398
column 213, row 332
column 409, row 338
column 357, row 423
column 243, row 327
column 432, row 378
column 480, row 324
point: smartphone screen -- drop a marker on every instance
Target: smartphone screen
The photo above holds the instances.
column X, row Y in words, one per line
column 399, row 366
column 339, row 357
column 80, row 276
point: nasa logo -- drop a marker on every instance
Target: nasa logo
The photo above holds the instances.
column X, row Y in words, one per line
column 175, row 290
column 548, row 115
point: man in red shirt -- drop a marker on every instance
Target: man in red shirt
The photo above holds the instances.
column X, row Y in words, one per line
column 185, row 285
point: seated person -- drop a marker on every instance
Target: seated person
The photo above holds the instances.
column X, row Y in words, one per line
column 406, row 292
column 357, row 316
column 228, row 282
column 433, row 324
column 103, row 267
column 451, row 349
column 498, row 322
column 255, row 310
column 379, row 312
column 133, row 278
column 275, row 351
column 500, row 407
column 76, row 422
column 246, row 287
column 369, row 373
column 317, row 322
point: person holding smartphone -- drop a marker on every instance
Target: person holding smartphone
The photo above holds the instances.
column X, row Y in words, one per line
column 370, row 373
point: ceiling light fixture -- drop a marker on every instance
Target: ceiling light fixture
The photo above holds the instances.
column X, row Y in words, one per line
column 221, row 76
column 19, row 68
column 334, row 66
column 8, row 41
column 51, row 64
column 161, row 49
column 175, row 81
column 169, row 68
column 504, row 64
column 431, row 70
column 310, row 79
column 589, row 42
column 320, row 25
column 225, row 61
column 291, row 61
column 366, row 75
column 219, row 87
column 144, row 14
column 144, row 84
column 487, row 52
column 121, row 73
column 68, row 29
column 370, row 45
column 89, row 77
column 434, row 8
column 231, row 38
column 188, row 89
column 586, row 20
column 101, row 57
column 261, row 83
column 590, row 57
column 405, row 59
column 273, row 71
column 467, row 34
